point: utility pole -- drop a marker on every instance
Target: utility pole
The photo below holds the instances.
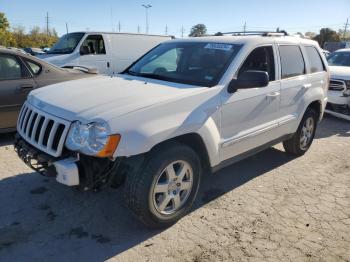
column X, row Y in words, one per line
column 119, row 26
column 244, row 27
column 67, row 27
column 166, row 29
column 346, row 28
column 147, row 7
column 182, row 31
column 138, row 29
column 47, row 22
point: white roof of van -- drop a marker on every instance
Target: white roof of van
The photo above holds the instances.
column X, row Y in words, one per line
column 119, row 33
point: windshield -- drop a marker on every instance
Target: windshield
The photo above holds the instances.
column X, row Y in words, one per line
column 66, row 44
column 339, row 59
column 200, row 64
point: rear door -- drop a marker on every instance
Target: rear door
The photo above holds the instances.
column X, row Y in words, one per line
column 93, row 53
column 15, row 84
column 293, row 85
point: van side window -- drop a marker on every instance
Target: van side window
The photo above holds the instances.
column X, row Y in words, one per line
column 94, row 45
column 292, row 61
column 12, row 68
column 261, row 59
column 316, row 64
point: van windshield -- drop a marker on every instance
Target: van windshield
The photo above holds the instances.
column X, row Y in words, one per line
column 194, row 63
column 66, row 44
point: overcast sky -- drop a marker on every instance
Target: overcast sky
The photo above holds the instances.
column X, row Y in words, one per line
column 218, row 15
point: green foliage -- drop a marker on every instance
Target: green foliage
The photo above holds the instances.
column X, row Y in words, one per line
column 327, row 35
column 198, row 30
column 17, row 37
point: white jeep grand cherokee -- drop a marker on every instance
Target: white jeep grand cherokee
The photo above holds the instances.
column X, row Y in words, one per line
column 185, row 106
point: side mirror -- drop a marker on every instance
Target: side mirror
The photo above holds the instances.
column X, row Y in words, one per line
column 84, row 50
column 249, row 79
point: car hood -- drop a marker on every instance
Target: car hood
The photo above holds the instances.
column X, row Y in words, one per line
column 57, row 59
column 104, row 97
column 340, row 72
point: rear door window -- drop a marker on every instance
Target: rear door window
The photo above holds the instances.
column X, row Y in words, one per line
column 12, row 68
column 292, row 61
column 316, row 64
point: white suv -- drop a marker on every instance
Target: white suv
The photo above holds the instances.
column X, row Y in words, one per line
column 339, row 88
column 186, row 106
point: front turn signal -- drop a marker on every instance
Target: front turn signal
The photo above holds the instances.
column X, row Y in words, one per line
column 110, row 147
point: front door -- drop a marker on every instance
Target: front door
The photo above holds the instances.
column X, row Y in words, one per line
column 15, row 84
column 249, row 117
column 93, row 54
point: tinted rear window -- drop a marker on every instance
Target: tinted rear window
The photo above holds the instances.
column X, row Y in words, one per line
column 292, row 61
column 316, row 64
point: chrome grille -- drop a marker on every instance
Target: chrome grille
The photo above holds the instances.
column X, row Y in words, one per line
column 42, row 130
column 337, row 85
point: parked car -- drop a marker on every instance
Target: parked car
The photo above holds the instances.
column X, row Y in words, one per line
column 186, row 106
column 339, row 89
column 34, row 51
column 108, row 52
column 19, row 74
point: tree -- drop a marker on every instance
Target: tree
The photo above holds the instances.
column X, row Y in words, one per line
column 198, row 30
column 6, row 38
column 310, row 35
column 4, row 23
column 327, row 35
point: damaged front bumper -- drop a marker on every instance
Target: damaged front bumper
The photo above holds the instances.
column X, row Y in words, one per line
column 338, row 104
column 70, row 169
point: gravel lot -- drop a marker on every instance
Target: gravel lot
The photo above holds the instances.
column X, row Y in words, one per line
column 270, row 207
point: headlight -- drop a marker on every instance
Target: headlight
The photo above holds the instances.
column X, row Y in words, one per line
column 92, row 139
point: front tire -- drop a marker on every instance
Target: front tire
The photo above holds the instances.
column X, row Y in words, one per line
column 164, row 188
column 302, row 139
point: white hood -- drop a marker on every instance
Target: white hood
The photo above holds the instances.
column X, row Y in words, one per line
column 58, row 59
column 104, row 97
column 340, row 72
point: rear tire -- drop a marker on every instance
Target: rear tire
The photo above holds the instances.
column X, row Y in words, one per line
column 302, row 139
column 165, row 186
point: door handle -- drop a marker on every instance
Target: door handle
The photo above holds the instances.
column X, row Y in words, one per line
column 25, row 87
column 273, row 95
column 306, row 86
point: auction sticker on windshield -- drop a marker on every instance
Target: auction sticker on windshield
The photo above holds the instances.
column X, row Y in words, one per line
column 225, row 47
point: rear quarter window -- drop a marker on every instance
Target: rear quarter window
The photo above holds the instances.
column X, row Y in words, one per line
column 314, row 58
column 292, row 61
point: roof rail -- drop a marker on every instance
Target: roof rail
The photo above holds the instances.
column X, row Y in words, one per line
column 262, row 33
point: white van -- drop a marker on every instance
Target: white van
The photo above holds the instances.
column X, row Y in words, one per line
column 107, row 52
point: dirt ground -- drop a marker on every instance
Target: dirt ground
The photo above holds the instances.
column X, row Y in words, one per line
column 269, row 207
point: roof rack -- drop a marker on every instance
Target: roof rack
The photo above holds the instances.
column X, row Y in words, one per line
column 262, row 33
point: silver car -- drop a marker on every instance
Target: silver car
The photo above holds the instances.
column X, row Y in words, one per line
column 19, row 74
